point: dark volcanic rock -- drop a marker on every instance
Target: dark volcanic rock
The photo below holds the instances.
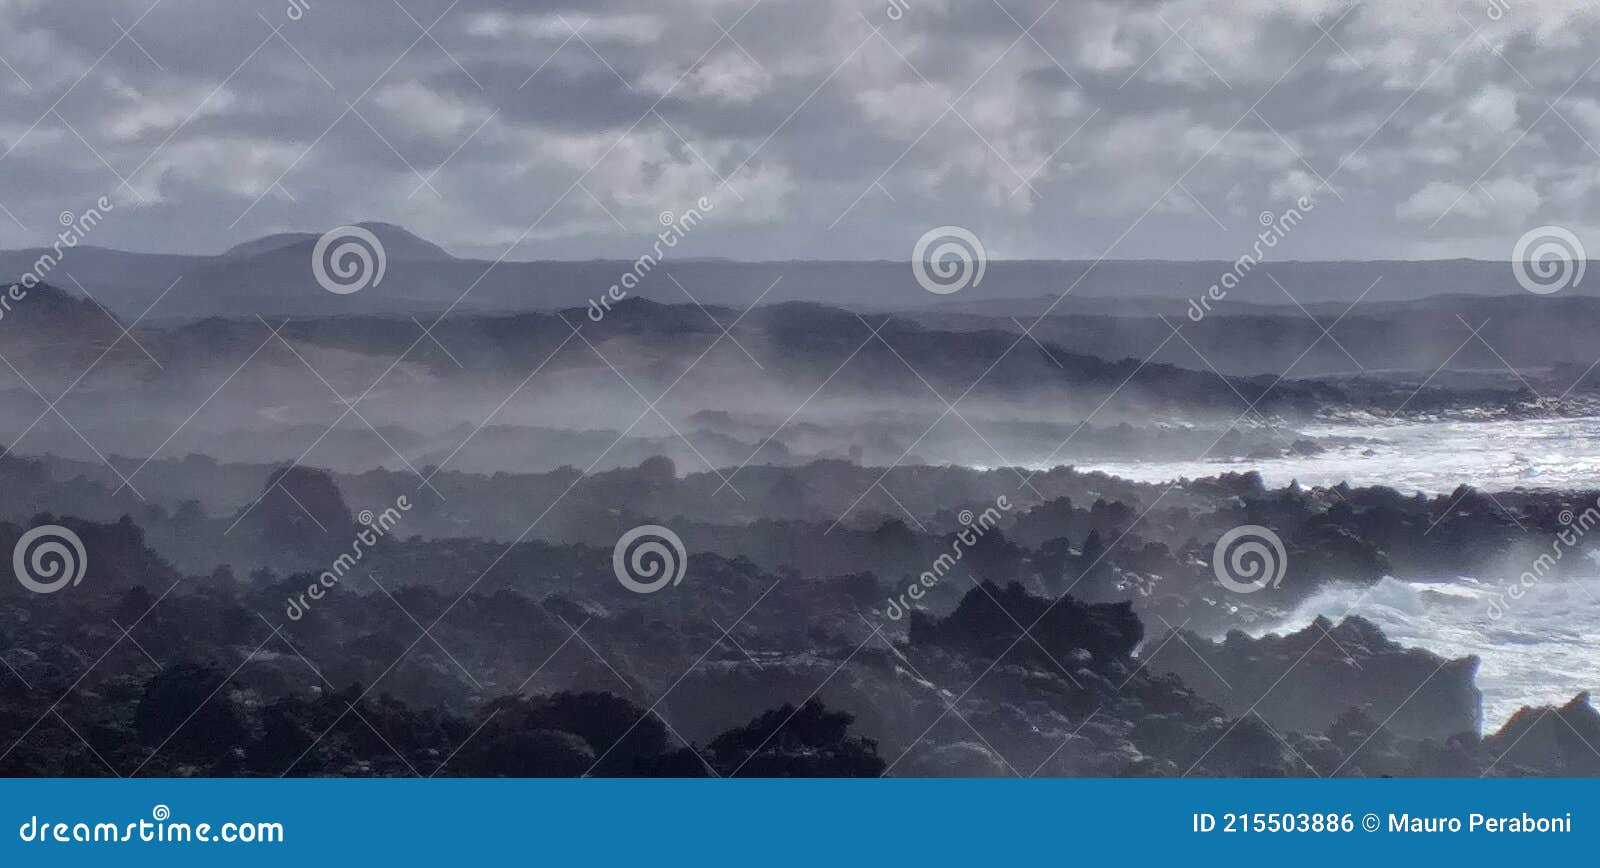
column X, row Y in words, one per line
column 1547, row 740
column 1306, row 681
column 990, row 619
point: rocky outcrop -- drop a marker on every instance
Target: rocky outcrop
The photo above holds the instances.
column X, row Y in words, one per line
column 1306, row 681
column 1547, row 741
column 991, row 619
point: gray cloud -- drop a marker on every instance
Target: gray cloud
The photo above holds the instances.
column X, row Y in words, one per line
column 824, row 129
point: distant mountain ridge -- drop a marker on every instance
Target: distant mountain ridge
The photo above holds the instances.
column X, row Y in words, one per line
column 272, row 276
column 398, row 243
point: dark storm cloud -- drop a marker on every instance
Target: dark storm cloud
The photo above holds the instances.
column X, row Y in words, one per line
column 822, row 129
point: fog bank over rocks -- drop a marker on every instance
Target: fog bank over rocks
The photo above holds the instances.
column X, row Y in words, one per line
column 694, row 396
column 1060, row 620
column 883, row 547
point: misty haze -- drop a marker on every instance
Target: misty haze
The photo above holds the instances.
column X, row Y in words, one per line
column 991, row 389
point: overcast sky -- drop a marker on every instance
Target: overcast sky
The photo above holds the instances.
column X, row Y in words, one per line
column 818, row 128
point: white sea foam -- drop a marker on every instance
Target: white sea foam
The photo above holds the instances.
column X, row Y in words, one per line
column 1546, row 645
column 1433, row 457
column 1545, row 648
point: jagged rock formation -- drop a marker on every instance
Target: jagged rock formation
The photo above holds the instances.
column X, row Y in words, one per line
column 1548, row 740
column 1308, row 680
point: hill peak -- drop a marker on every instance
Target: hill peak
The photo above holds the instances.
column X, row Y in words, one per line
column 398, row 243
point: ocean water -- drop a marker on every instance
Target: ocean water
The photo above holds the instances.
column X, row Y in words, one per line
column 1541, row 649
column 1428, row 456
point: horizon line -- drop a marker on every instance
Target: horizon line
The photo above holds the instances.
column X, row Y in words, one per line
column 822, row 261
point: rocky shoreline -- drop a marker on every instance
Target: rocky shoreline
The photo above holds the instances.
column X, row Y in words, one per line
column 1070, row 638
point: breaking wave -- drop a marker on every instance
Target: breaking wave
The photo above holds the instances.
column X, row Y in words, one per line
column 1543, row 649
